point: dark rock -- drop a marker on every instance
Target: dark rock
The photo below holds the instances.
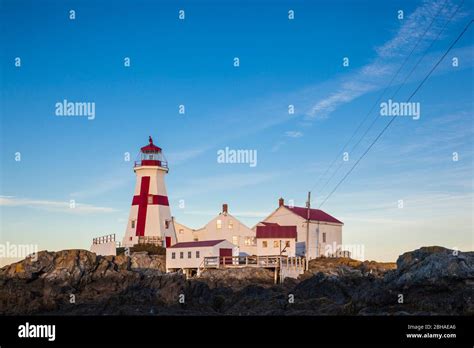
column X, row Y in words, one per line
column 434, row 266
column 237, row 278
column 432, row 280
column 344, row 266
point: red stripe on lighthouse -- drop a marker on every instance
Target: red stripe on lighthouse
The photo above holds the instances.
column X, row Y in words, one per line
column 160, row 200
column 157, row 200
column 142, row 205
column 142, row 200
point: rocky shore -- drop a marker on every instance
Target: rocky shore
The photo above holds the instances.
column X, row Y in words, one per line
column 429, row 281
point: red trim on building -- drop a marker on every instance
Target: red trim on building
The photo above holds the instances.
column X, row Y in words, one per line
column 270, row 223
column 314, row 214
column 276, row 231
column 227, row 252
column 142, row 205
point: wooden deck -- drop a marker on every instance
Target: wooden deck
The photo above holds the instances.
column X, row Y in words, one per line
column 283, row 266
column 242, row 261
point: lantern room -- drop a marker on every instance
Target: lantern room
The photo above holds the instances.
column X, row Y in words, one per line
column 151, row 155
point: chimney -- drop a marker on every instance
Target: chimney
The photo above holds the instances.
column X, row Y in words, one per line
column 281, row 202
column 225, row 208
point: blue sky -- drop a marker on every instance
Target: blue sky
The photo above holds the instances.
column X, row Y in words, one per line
column 190, row 62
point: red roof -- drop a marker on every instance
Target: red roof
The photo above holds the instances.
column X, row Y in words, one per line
column 273, row 230
column 204, row 243
column 314, row 214
column 270, row 223
column 150, row 147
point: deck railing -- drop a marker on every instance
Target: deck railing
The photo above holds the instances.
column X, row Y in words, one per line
column 252, row 261
column 283, row 266
column 104, row 239
column 293, row 263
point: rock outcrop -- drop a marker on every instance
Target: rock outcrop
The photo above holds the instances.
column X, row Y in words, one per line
column 342, row 266
column 141, row 260
column 237, row 278
column 430, row 280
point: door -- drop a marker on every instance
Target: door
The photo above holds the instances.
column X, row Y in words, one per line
column 168, row 241
column 225, row 252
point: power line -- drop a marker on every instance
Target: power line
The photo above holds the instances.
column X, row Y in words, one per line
column 379, row 98
column 401, row 85
column 394, row 117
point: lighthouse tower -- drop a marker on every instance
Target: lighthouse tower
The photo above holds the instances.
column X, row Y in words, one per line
column 150, row 216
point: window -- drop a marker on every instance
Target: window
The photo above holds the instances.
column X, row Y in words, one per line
column 189, row 254
column 231, row 224
column 264, row 244
column 150, row 199
column 250, row 241
column 219, row 224
column 235, row 240
column 276, row 244
column 196, row 239
column 324, row 237
column 287, row 244
column 131, row 238
column 181, row 255
column 133, row 223
column 198, row 254
column 173, row 255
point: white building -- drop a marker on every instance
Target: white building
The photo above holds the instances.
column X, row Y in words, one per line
column 185, row 233
column 189, row 256
column 104, row 245
column 325, row 230
column 150, row 218
column 273, row 239
column 223, row 226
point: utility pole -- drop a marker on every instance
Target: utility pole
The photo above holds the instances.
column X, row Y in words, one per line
column 308, row 219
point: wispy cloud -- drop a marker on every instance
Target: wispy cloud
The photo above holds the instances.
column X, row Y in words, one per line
column 374, row 75
column 454, row 133
column 56, row 206
column 318, row 101
column 179, row 157
column 414, row 27
column 348, row 91
column 293, row 134
column 101, row 187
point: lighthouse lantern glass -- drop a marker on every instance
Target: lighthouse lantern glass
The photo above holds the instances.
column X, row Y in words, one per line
column 152, row 156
